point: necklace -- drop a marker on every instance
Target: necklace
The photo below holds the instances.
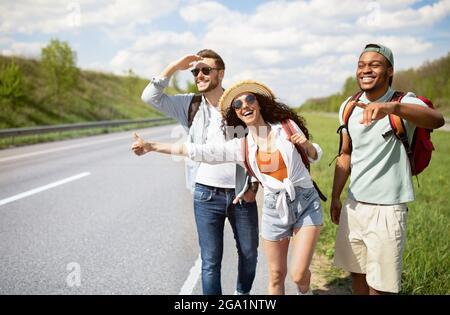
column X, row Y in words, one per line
column 265, row 143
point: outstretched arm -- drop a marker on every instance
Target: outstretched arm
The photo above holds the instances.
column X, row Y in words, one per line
column 141, row 147
column 421, row 116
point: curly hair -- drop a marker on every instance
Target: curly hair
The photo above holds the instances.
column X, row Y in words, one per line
column 272, row 112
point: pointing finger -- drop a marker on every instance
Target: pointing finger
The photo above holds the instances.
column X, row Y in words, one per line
column 361, row 105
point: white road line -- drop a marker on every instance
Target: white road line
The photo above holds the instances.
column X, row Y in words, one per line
column 74, row 146
column 191, row 281
column 42, row 188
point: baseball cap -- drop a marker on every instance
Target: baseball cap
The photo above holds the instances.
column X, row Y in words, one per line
column 381, row 49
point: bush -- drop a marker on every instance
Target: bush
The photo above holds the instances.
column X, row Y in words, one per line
column 58, row 63
column 11, row 83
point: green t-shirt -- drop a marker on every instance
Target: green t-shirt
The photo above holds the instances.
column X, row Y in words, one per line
column 380, row 170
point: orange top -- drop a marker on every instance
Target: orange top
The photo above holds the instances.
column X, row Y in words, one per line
column 272, row 164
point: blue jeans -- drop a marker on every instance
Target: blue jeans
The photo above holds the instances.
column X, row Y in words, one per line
column 212, row 205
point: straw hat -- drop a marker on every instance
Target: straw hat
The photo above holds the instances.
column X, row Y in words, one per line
column 241, row 87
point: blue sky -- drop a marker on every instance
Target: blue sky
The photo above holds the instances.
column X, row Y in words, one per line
column 301, row 48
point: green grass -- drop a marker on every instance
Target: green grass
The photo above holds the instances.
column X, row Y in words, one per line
column 426, row 268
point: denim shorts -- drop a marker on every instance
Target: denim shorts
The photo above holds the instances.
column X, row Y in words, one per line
column 305, row 210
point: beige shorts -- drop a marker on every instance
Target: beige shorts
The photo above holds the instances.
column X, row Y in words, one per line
column 370, row 240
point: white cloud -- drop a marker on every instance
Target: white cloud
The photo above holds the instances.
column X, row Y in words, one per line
column 5, row 41
column 149, row 54
column 52, row 16
column 386, row 19
column 124, row 12
column 204, row 11
column 301, row 49
column 30, row 50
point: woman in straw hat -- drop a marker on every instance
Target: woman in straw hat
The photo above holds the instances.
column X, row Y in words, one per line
column 292, row 210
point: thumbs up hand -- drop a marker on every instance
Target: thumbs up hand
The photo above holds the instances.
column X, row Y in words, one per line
column 139, row 146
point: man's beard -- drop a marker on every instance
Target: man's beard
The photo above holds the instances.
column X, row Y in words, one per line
column 212, row 85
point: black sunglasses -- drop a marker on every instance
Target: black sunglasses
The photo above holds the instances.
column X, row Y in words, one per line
column 249, row 99
column 204, row 70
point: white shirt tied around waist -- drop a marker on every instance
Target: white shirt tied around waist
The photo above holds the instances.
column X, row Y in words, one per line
column 231, row 151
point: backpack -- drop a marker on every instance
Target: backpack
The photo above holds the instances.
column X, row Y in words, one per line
column 193, row 108
column 419, row 152
column 289, row 129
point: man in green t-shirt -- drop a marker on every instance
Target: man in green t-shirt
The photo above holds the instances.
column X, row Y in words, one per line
column 372, row 222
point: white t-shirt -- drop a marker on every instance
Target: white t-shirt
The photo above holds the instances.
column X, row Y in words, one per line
column 217, row 175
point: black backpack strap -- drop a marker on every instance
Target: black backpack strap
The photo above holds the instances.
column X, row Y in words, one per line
column 193, row 108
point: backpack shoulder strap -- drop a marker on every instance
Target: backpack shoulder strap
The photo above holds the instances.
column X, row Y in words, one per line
column 245, row 150
column 399, row 129
column 349, row 107
column 396, row 122
column 289, row 129
column 193, row 108
column 346, row 113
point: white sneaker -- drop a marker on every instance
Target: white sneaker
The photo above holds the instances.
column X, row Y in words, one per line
column 239, row 293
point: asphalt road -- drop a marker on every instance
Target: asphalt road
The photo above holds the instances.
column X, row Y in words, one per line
column 87, row 216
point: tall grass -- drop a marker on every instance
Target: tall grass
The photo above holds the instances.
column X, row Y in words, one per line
column 426, row 261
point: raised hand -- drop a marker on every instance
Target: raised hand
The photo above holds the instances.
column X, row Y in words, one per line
column 186, row 62
column 298, row 139
column 139, row 146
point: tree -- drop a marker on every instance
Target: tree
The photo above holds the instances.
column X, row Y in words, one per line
column 11, row 83
column 58, row 63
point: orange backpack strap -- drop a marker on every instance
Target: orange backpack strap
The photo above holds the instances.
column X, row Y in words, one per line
column 348, row 109
column 346, row 113
column 399, row 129
column 290, row 130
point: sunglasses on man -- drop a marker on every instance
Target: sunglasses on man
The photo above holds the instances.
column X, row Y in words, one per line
column 249, row 99
column 204, row 70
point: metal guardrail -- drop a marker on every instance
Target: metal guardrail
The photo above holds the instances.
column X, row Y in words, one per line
column 13, row 132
